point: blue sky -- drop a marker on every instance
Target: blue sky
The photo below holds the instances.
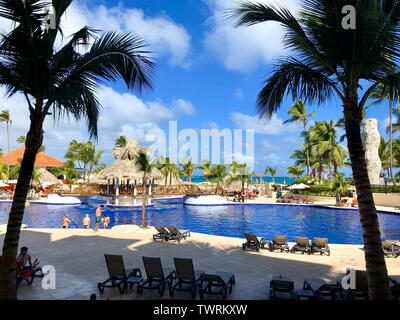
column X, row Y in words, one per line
column 208, row 76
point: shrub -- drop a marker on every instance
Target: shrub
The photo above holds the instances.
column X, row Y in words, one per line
column 385, row 189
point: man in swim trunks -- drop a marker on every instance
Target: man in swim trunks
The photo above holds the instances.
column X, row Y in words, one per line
column 98, row 218
column 66, row 220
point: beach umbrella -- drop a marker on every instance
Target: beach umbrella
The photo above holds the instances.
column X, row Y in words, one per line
column 300, row 186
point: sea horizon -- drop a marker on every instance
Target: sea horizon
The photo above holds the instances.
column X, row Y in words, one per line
column 265, row 179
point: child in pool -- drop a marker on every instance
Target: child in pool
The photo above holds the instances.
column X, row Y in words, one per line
column 106, row 221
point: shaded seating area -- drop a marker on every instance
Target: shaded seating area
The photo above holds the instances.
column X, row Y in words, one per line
column 302, row 245
column 320, row 245
column 118, row 275
column 219, row 283
column 178, row 235
column 187, row 279
column 391, row 248
column 157, row 276
column 252, row 242
column 279, row 243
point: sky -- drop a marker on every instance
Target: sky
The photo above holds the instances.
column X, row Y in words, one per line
column 208, row 75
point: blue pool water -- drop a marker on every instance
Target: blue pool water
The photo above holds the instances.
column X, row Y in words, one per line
column 340, row 226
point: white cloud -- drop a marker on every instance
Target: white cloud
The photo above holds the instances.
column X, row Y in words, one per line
column 181, row 106
column 244, row 48
column 210, row 125
column 165, row 37
column 273, row 127
column 238, row 94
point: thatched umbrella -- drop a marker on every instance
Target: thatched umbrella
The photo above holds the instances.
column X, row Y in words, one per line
column 45, row 178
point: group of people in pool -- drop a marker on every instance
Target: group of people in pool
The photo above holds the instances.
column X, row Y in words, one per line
column 105, row 220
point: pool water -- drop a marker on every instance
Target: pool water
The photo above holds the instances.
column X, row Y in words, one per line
column 340, row 226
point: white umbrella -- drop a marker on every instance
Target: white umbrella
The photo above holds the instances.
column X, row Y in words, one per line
column 300, row 186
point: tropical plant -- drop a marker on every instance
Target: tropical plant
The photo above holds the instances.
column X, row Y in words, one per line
column 16, row 169
column 22, row 139
column 58, row 81
column 145, row 166
column 206, row 167
column 294, row 171
column 188, row 168
column 239, row 172
column 328, row 60
column 218, row 174
column 5, row 117
column 299, row 114
column 4, row 174
column 167, row 168
column 272, row 172
column 340, row 185
column 121, row 141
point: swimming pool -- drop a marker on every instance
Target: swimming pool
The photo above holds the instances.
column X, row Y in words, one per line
column 340, row 226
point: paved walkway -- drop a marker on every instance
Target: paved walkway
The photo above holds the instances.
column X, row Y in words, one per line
column 78, row 256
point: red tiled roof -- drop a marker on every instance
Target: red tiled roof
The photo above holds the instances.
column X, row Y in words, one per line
column 42, row 160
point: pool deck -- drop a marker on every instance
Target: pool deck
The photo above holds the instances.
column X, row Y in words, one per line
column 78, row 257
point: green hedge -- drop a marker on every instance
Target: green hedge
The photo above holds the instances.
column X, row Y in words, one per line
column 385, row 189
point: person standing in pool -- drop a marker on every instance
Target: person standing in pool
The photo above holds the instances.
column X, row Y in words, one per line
column 106, row 221
column 66, row 220
column 98, row 218
column 86, row 222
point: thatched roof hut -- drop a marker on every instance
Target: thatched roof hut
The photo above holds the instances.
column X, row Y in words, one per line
column 45, row 177
column 125, row 167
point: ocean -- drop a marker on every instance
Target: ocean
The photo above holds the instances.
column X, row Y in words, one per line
column 267, row 179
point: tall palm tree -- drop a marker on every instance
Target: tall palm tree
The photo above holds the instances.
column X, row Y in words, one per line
column 272, row 172
column 384, row 155
column 328, row 60
column 295, row 171
column 145, row 166
column 206, row 167
column 188, row 168
column 300, row 155
column 166, row 167
column 218, row 174
column 396, row 125
column 57, row 81
column 5, row 117
column 239, row 172
column 121, row 141
column 299, row 114
column 379, row 94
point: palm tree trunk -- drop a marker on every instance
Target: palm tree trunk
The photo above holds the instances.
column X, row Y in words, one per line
column 166, row 178
column 330, row 165
column 242, row 191
column 144, row 221
column 10, row 245
column 308, row 155
column 8, row 147
column 378, row 281
column 391, row 141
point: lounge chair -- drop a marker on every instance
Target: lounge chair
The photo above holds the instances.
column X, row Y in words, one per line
column 178, row 235
column 252, row 242
column 162, row 234
column 323, row 291
column 157, row 277
column 302, row 245
column 222, row 281
column 279, row 243
column 391, row 248
column 188, row 279
column 282, row 290
column 118, row 275
column 320, row 245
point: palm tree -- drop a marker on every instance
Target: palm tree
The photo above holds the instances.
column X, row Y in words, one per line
column 121, row 141
column 379, row 94
column 174, row 173
column 206, row 167
column 145, row 166
column 188, row 168
column 299, row 114
column 272, row 172
column 57, row 81
column 166, row 167
column 5, row 117
column 295, row 171
column 340, row 184
column 218, row 174
column 239, row 172
column 22, row 139
column 396, row 125
column 329, row 60
column 384, row 155
column 4, row 174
